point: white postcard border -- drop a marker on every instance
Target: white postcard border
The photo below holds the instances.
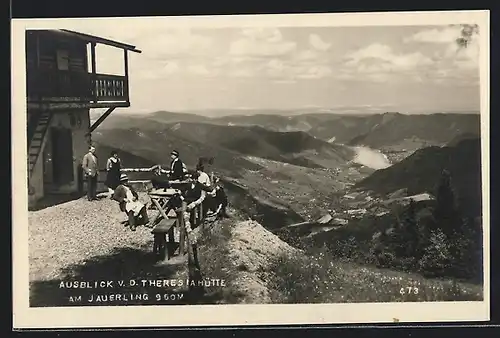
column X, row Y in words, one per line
column 209, row 315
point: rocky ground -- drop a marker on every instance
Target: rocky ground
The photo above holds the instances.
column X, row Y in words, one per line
column 81, row 241
column 252, row 248
column 87, row 241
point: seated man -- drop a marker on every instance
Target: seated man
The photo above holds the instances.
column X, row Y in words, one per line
column 194, row 195
column 220, row 199
column 130, row 204
column 206, row 185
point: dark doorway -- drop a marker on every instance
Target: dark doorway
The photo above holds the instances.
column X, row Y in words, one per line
column 62, row 156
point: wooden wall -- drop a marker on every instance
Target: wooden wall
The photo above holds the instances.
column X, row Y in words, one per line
column 43, row 53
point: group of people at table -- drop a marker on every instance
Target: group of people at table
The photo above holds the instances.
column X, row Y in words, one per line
column 193, row 189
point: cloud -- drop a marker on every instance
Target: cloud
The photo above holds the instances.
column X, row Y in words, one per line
column 171, row 43
column 307, row 55
column 315, row 72
column 262, row 42
column 241, row 72
column 285, row 81
column 381, row 63
column 436, row 35
column 166, row 51
column 163, row 69
column 202, row 70
column 381, row 58
column 449, row 53
column 318, row 44
column 462, row 58
column 287, row 70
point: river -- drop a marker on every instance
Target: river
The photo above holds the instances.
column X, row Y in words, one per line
column 371, row 158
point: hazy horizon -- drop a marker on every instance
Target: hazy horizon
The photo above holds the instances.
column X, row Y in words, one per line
column 224, row 112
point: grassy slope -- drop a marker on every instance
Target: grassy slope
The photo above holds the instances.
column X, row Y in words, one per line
column 320, row 278
column 260, row 268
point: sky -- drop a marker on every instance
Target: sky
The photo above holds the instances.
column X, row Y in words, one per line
column 397, row 68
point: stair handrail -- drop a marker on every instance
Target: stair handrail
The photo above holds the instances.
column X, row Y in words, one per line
column 30, row 171
column 32, row 124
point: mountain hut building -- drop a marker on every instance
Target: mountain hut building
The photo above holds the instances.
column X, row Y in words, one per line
column 62, row 85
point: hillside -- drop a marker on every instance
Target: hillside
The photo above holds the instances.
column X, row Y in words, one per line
column 156, row 147
column 256, row 266
column 271, row 122
column 421, row 172
column 103, row 151
column 391, row 131
column 276, row 192
column 204, row 139
column 437, row 129
column 388, row 131
column 291, row 147
column 118, row 120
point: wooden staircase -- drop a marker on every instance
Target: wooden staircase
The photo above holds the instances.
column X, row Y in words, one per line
column 36, row 134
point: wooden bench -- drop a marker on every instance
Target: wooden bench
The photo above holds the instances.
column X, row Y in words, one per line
column 160, row 246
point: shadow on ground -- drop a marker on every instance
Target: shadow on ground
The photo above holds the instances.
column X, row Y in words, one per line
column 135, row 267
column 50, row 200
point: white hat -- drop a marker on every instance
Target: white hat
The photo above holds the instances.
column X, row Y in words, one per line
column 123, row 177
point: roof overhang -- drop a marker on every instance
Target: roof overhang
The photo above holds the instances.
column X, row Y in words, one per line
column 95, row 39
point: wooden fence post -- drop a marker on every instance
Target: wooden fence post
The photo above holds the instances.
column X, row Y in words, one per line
column 182, row 237
column 200, row 214
column 171, row 242
column 197, row 290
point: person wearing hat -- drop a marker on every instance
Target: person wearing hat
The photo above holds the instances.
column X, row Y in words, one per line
column 193, row 196
column 177, row 168
column 130, row 204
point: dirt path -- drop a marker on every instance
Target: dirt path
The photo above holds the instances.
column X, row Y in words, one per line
column 81, row 241
column 86, row 241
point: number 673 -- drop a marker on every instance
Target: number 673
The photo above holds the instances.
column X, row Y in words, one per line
column 409, row 290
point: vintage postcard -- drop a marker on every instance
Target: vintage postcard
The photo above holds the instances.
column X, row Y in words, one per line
column 251, row 170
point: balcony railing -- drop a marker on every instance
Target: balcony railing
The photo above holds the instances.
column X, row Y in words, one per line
column 66, row 86
column 109, row 87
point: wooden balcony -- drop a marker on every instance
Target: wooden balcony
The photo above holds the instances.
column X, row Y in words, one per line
column 106, row 87
column 63, row 89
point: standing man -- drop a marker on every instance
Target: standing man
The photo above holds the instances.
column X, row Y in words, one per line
column 176, row 167
column 91, row 170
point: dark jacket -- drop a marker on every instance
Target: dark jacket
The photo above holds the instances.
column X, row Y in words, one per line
column 193, row 194
column 176, row 169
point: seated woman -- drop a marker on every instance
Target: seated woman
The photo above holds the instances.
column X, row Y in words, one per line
column 130, row 204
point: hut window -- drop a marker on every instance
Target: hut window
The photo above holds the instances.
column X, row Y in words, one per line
column 62, row 59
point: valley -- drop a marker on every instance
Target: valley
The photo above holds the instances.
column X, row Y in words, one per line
column 357, row 173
